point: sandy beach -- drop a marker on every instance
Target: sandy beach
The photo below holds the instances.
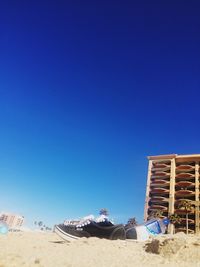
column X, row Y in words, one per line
column 48, row 250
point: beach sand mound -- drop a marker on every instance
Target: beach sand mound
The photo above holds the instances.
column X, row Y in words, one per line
column 167, row 247
column 179, row 247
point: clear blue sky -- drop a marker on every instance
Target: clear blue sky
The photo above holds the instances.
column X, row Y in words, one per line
column 89, row 89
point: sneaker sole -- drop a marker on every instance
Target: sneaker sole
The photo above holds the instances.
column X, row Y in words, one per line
column 64, row 235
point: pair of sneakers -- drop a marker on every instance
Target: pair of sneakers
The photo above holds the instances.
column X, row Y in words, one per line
column 101, row 228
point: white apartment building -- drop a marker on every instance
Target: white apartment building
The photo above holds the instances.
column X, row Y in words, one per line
column 12, row 220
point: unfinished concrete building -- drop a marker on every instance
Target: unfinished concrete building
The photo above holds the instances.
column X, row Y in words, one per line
column 172, row 178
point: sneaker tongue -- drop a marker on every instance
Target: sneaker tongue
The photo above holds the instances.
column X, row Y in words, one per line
column 101, row 218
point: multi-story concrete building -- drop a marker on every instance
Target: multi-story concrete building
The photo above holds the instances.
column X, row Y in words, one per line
column 12, row 220
column 171, row 179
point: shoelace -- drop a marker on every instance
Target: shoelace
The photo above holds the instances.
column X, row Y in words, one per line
column 83, row 223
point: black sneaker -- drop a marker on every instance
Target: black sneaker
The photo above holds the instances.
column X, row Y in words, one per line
column 92, row 229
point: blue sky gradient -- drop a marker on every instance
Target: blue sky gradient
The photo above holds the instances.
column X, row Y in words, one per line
column 87, row 92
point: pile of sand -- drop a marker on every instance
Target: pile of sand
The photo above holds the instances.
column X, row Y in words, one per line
column 48, row 250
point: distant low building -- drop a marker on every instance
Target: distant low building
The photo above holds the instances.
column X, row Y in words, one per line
column 12, row 220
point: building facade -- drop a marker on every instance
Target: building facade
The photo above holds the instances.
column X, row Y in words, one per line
column 12, row 220
column 170, row 180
